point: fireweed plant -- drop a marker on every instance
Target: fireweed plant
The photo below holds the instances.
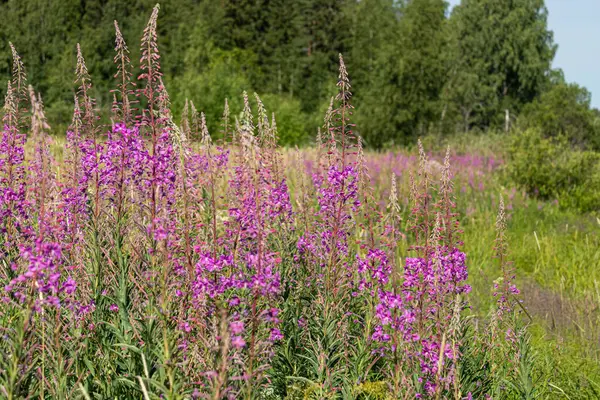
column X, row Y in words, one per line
column 154, row 262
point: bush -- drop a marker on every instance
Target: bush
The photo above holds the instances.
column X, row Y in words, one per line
column 564, row 110
column 552, row 169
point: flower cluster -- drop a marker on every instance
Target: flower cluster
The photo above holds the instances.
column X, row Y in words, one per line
column 13, row 200
column 43, row 282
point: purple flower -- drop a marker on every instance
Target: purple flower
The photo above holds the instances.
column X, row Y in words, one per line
column 276, row 335
column 236, row 327
column 237, row 342
column 44, row 273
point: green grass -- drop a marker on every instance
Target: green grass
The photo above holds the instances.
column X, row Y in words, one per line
column 556, row 256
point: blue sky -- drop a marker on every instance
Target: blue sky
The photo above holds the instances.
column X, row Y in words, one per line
column 576, row 28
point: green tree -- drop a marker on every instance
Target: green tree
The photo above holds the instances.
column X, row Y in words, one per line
column 502, row 51
column 408, row 73
column 284, row 42
column 564, row 110
column 222, row 77
column 41, row 30
column 372, row 25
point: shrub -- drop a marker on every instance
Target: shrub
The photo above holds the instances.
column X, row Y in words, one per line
column 551, row 169
column 564, row 110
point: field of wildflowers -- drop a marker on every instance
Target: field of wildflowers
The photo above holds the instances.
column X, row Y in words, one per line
column 144, row 260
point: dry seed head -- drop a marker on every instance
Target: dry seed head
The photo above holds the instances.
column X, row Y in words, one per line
column 246, row 132
column 345, row 109
column 123, row 63
column 393, row 202
column 177, row 136
column 226, row 109
column 195, row 117
column 343, row 74
column 76, row 121
column 262, row 120
column 225, row 121
column 185, row 119
column 500, row 246
column 149, row 62
column 247, row 123
column 435, row 233
column 164, row 101
column 81, row 70
column 361, row 163
column 446, row 170
column 332, row 145
column 501, row 218
column 205, row 137
column 422, row 158
column 10, row 108
column 328, row 115
column 447, row 157
column 413, row 187
column 38, row 118
column 85, row 85
column 249, row 146
column 120, row 45
column 150, row 30
column 454, row 326
column 359, row 148
column 274, row 132
column 18, row 72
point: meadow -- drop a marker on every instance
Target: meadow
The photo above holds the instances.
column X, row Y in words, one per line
column 142, row 259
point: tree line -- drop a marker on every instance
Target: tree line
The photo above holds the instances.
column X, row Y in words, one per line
column 416, row 66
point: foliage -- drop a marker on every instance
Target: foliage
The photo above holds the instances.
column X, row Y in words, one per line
column 291, row 124
column 551, row 169
column 418, row 68
column 501, row 54
column 407, row 76
column 564, row 110
column 221, row 78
